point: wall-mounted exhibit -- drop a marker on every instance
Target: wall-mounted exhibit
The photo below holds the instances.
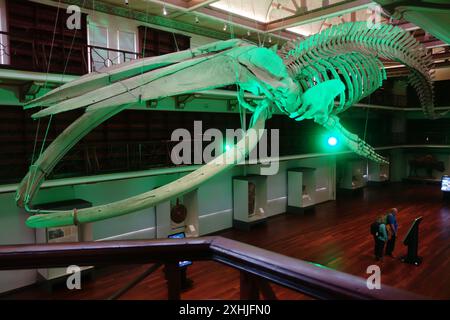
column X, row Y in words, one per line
column 178, row 215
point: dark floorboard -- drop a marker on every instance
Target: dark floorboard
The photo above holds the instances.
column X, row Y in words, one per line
column 336, row 236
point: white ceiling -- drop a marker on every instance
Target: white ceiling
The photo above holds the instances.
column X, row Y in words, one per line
column 270, row 10
column 315, row 27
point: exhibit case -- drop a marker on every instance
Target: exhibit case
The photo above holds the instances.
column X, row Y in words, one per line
column 177, row 215
column 353, row 175
column 66, row 234
column 249, row 201
column 378, row 172
column 301, row 189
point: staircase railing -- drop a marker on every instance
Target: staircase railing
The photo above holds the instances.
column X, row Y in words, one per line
column 258, row 267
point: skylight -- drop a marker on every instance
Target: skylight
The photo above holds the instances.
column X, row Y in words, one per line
column 270, row 10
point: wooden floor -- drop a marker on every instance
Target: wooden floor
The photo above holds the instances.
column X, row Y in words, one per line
column 336, row 236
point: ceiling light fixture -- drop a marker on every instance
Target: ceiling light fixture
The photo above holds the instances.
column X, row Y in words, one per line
column 197, row 19
column 126, row 2
column 225, row 27
column 248, row 33
column 164, row 11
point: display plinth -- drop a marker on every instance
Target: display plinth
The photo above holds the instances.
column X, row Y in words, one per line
column 352, row 178
column 411, row 240
column 79, row 233
column 249, row 201
column 446, row 196
column 445, row 187
column 178, row 215
column 378, row 173
column 301, row 190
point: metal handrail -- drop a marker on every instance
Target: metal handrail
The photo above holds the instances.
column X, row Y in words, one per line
column 298, row 275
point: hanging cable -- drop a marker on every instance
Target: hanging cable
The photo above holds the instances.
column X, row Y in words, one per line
column 365, row 135
column 46, row 134
column 52, row 45
column 144, row 41
column 279, row 31
column 46, row 80
column 63, row 73
column 268, row 10
column 256, row 23
column 45, row 85
column 230, row 21
column 175, row 41
column 71, row 47
column 365, row 126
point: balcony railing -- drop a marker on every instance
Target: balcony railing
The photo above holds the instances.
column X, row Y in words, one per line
column 258, row 267
column 61, row 56
column 100, row 57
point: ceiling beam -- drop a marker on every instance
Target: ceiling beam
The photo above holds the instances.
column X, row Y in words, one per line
column 318, row 15
column 174, row 4
column 196, row 4
column 226, row 17
column 202, row 11
column 214, row 14
column 149, row 19
column 184, row 5
column 242, row 22
column 408, row 26
column 434, row 44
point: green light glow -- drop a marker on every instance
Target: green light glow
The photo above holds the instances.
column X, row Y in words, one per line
column 332, row 141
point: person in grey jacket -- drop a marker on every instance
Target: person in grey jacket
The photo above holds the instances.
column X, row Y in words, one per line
column 380, row 238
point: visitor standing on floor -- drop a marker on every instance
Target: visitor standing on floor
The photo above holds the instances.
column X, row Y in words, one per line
column 392, row 226
column 378, row 230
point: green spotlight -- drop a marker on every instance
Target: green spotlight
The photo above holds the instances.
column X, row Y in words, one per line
column 227, row 147
column 332, row 141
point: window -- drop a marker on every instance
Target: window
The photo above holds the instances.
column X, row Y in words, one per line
column 4, row 42
column 99, row 56
column 126, row 42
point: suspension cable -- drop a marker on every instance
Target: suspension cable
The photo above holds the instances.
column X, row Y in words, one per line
column 45, row 85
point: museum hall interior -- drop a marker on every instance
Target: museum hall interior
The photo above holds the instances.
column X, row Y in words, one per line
column 224, row 150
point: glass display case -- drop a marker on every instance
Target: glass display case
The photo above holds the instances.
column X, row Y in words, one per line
column 249, row 200
column 301, row 189
column 353, row 174
column 378, row 172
